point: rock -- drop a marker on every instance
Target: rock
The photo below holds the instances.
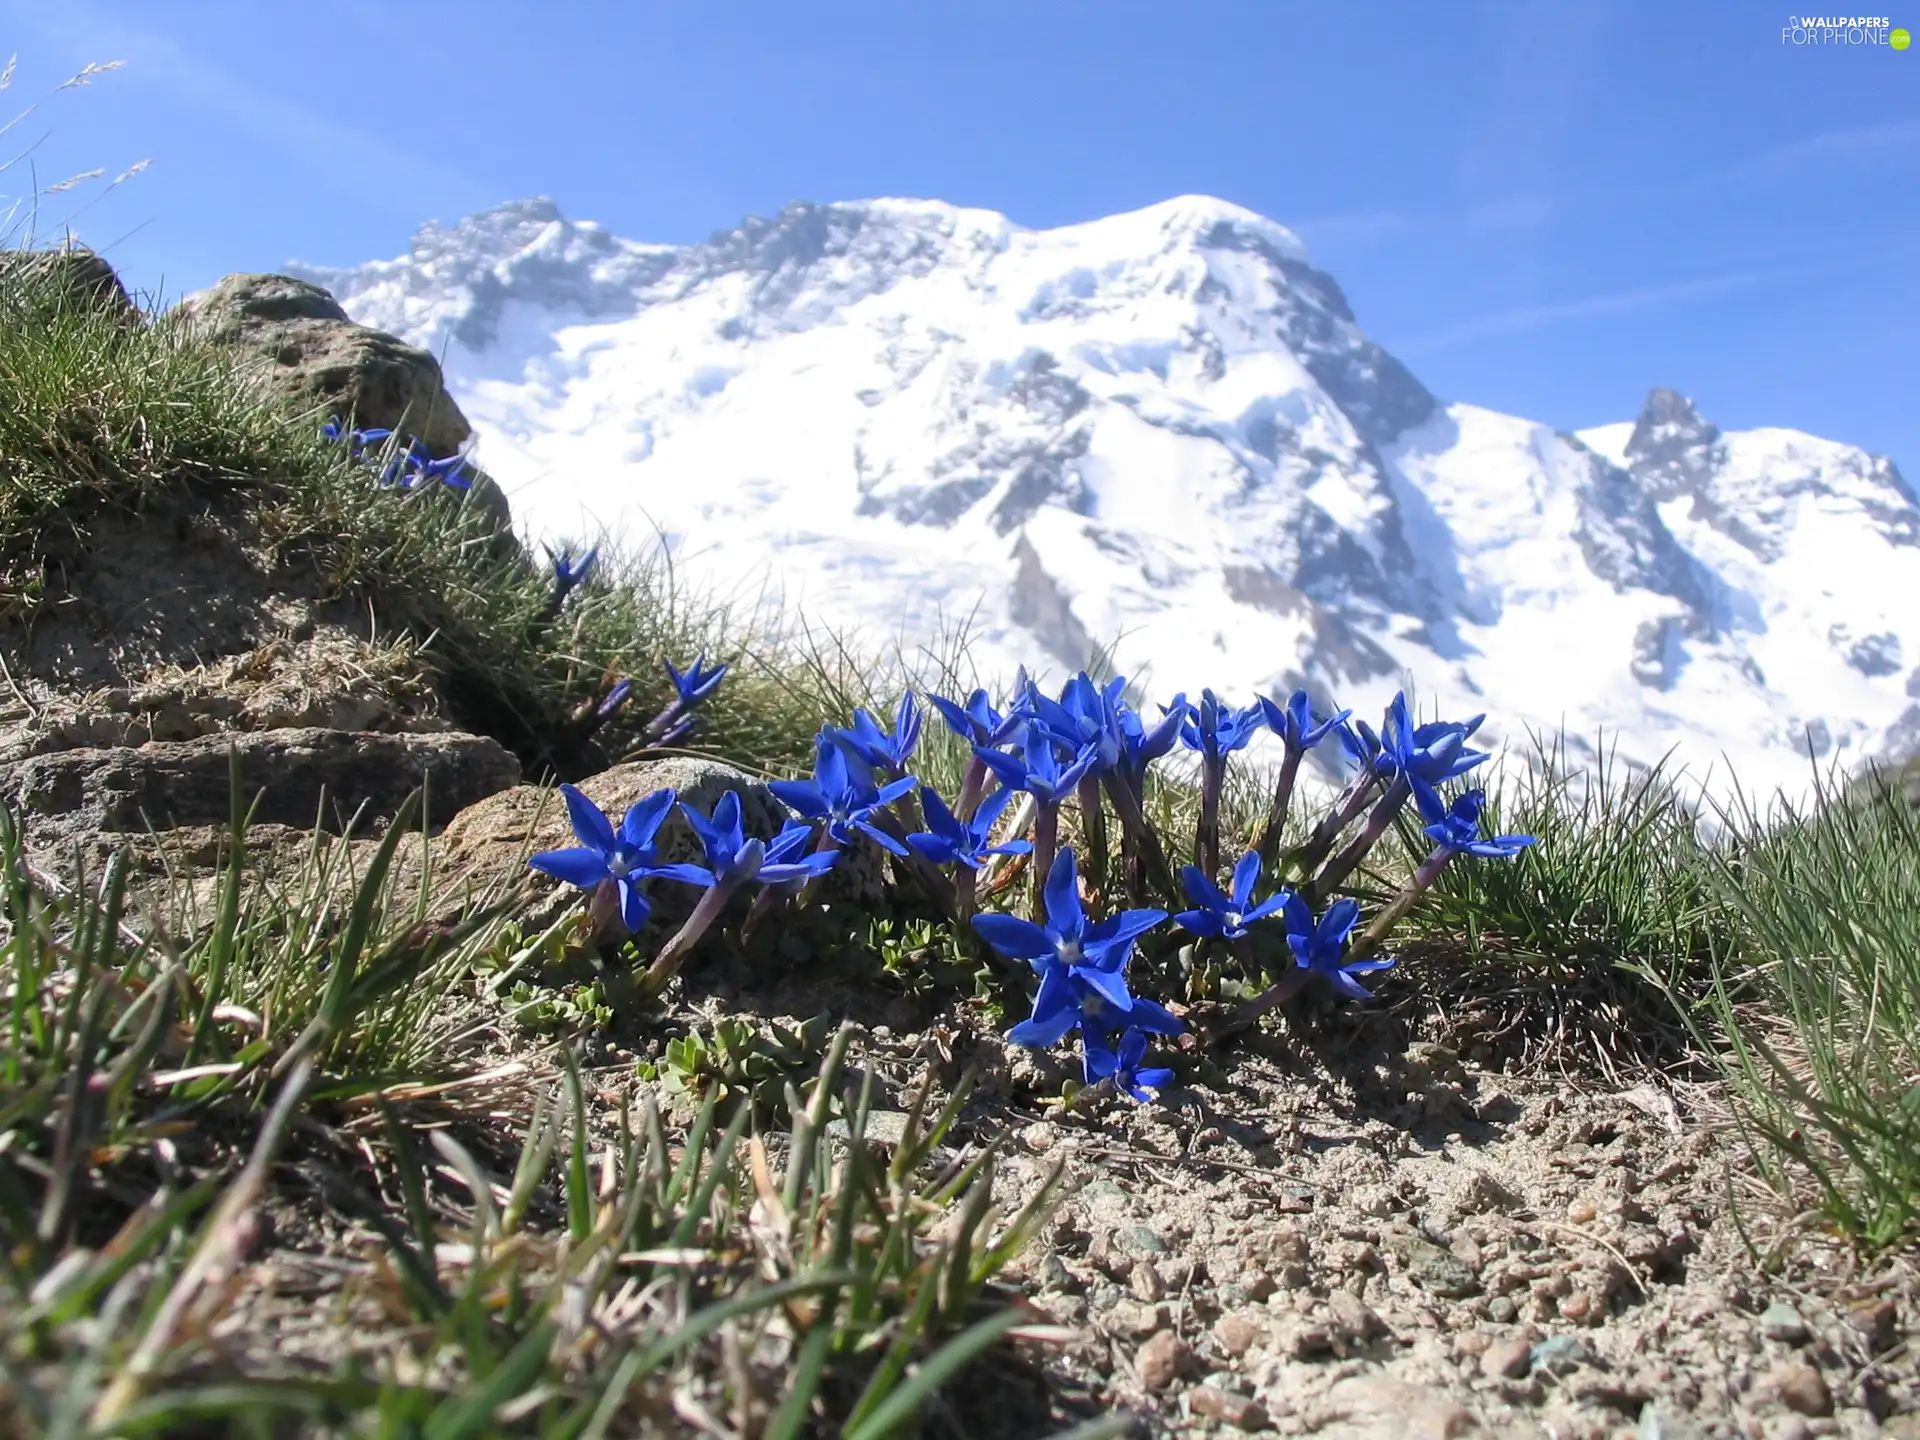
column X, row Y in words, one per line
column 1354, row 1318
column 1159, row 1359
column 303, row 346
column 1413, row 1412
column 165, row 784
column 1508, row 1359
column 1780, row 1321
column 1239, row 1411
column 1801, row 1388
column 72, row 276
column 1581, row 1212
column 1146, row 1284
column 1435, row 1270
column 1237, row 1333
column 1130, row 1317
column 1559, row 1354
column 1139, row 1240
column 1502, row 1310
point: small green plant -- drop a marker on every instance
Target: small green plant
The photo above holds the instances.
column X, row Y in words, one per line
column 735, row 1061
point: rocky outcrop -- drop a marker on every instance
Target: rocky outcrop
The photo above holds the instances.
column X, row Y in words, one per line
column 74, row 276
column 299, row 341
column 303, row 777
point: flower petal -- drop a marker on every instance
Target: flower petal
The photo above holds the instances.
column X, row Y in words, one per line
column 1013, row 937
column 634, row 908
column 582, row 867
column 589, row 821
column 1110, row 985
column 1245, row 876
column 644, row 817
column 1062, row 896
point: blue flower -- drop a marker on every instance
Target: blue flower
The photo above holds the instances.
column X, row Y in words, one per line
column 843, row 796
column 1458, row 828
column 734, row 858
column 1038, row 770
column 948, row 840
column 1124, row 1066
column 1227, row 917
column 1082, row 968
column 1217, row 730
column 450, row 471
column 1085, row 715
column 977, row 722
column 698, row 682
column 625, row 857
column 883, row 750
column 1320, row 949
column 615, row 699
column 1140, row 747
column 1294, row 722
column 569, row 572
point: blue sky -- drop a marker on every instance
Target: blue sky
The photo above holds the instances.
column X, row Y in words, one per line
column 1543, row 208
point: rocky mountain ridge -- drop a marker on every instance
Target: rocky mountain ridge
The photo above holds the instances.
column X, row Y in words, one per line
column 1163, row 430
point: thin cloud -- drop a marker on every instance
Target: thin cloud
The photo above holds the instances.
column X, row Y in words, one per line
column 337, row 155
column 1536, row 317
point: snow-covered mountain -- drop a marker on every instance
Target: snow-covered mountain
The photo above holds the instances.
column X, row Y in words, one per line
column 1166, row 431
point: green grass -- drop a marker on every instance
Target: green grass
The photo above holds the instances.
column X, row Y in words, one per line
column 99, row 414
column 155, row 1096
column 1818, row 1001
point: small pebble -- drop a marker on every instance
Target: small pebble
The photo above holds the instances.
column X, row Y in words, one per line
column 1802, row 1388
column 1139, row 1240
column 1780, row 1321
column 1577, row 1306
column 1145, row 1283
column 1038, row 1137
column 1507, row 1360
column 1501, row 1310
column 1559, row 1354
column 1236, row 1333
column 1226, row 1407
column 1159, row 1359
column 1581, row 1211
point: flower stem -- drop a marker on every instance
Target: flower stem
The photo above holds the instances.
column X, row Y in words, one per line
column 1133, row 820
column 1424, row 877
column 1342, row 865
column 1046, row 839
column 1351, row 803
column 973, row 789
column 673, row 954
column 1276, row 825
column 1093, row 826
column 1248, row 1015
column 1206, row 836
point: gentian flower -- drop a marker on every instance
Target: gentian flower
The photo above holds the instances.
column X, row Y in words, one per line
column 699, row 681
column 1126, row 784
column 1299, row 733
column 1038, row 769
column 450, row 471
column 1318, row 948
column 1412, row 760
column 886, row 751
column 625, row 857
column 1458, row 829
column 842, row 797
column 1082, row 968
column 1455, row 831
column 615, row 699
column 689, row 689
column 1042, row 774
column 1216, row 731
column 734, row 858
column 1123, row 1066
column 1223, row 916
column 977, row 722
column 948, row 840
column 568, row 573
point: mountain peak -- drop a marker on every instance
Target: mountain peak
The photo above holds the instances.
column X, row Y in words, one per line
column 1673, row 450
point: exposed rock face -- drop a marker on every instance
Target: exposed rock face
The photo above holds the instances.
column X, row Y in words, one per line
column 304, row 347
column 303, row 776
column 78, row 276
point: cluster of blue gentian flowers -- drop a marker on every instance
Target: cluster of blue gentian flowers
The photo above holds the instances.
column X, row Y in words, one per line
column 405, row 465
column 1089, row 748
